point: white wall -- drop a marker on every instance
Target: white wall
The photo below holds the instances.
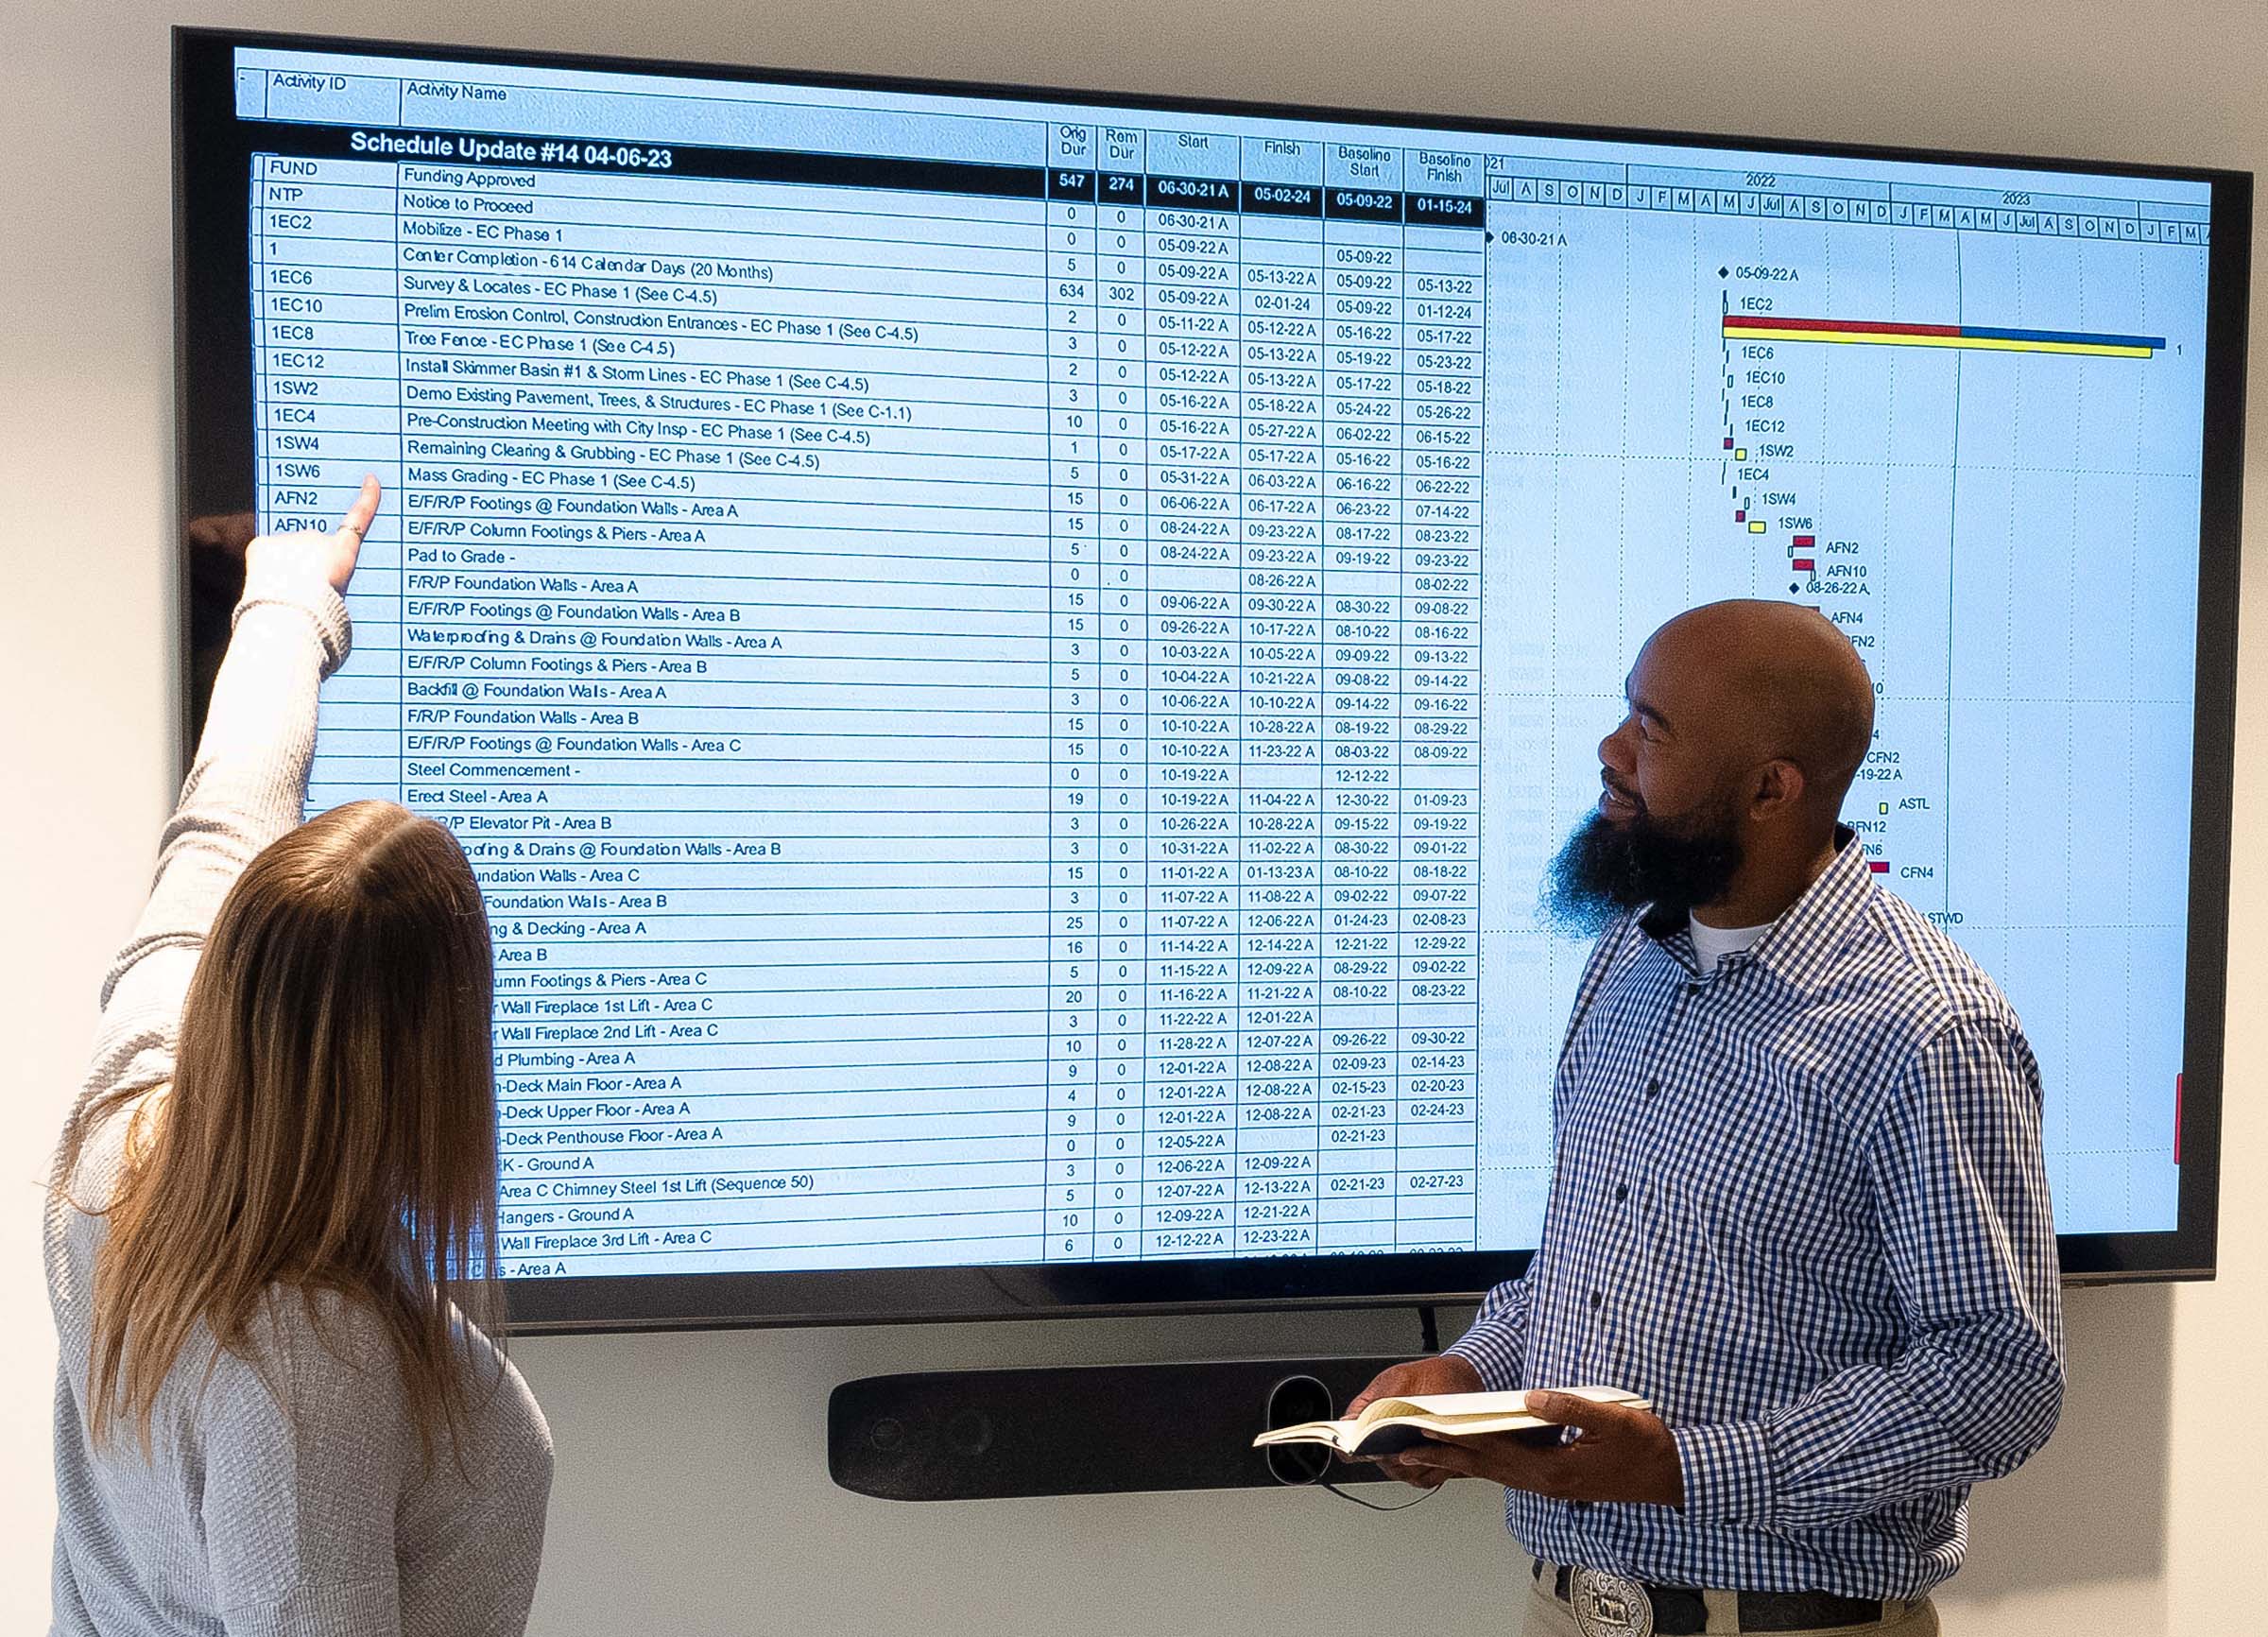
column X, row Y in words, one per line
column 691, row 1495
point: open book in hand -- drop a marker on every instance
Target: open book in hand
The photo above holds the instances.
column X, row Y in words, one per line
column 1390, row 1426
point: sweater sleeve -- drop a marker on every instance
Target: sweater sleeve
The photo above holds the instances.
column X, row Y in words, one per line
column 246, row 788
column 298, row 1504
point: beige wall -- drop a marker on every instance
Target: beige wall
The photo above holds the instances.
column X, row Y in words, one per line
column 690, row 1494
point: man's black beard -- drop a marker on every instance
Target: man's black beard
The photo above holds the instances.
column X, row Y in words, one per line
column 1608, row 868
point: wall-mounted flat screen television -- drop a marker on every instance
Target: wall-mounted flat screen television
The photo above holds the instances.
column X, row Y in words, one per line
column 1011, row 661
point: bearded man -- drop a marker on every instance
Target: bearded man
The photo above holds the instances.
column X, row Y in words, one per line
column 1799, row 1202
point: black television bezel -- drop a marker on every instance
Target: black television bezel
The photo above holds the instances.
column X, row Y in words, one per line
column 216, row 474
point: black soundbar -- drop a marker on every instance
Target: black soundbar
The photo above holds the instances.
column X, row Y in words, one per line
column 1087, row 1430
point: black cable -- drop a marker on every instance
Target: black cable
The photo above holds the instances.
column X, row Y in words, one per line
column 1429, row 1337
column 1373, row 1506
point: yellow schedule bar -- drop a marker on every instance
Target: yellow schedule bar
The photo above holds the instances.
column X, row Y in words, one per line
column 1965, row 343
column 1756, row 528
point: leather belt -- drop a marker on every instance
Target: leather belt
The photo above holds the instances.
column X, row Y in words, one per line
column 1613, row 1606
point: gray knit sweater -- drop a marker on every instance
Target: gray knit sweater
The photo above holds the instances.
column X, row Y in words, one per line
column 315, row 1514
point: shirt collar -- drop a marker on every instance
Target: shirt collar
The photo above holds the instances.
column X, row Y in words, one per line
column 1799, row 947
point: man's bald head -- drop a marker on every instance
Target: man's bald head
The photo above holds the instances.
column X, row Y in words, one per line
column 1768, row 681
column 1724, row 780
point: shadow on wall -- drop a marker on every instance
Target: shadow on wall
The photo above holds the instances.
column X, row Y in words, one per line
column 2091, row 1509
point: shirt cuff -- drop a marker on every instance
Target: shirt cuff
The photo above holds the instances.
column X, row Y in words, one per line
column 1491, row 1353
column 297, row 586
column 1727, row 1472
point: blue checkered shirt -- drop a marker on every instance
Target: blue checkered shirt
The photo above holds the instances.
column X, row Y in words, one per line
column 1799, row 1204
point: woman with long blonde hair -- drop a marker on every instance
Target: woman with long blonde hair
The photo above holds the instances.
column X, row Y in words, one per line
column 268, row 1228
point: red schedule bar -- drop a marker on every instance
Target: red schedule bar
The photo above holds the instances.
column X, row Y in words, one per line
column 1879, row 866
column 1803, row 565
column 1837, row 326
column 1801, row 543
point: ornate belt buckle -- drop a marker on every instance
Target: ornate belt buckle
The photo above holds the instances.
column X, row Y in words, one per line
column 1609, row 1605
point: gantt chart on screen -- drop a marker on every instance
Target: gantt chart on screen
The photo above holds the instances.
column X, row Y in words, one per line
column 1010, row 672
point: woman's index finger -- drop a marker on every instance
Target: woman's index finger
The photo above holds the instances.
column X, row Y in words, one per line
column 365, row 508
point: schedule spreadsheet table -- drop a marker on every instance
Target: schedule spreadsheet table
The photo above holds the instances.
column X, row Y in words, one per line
column 960, row 682
column 1011, row 664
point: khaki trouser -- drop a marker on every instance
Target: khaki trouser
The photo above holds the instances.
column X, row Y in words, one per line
column 1549, row 1618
